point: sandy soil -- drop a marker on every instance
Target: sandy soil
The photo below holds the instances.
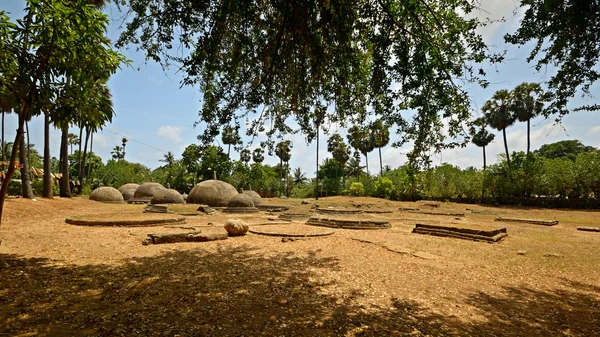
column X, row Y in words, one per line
column 67, row 280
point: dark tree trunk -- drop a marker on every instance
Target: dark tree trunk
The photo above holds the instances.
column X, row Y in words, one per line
column 64, row 184
column 91, row 151
column 3, row 142
column 528, row 137
column 367, row 163
column 47, row 192
column 380, row 164
column 13, row 159
column 25, row 178
column 317, row 176
column 482, row 184
column 28, row 145
column 506, row 148
column 484, row 162
column 81, row 171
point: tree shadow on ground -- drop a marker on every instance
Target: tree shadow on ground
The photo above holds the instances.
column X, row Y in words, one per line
column 237, row 292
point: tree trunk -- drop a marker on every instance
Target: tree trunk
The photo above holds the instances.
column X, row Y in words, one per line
column 3, row 142
column 380, row 164
column 228, row 149
column 91, row 151
column 367, row 163
column 82, row 162
column 28, row 145
column 79, row 174
column 482, row 183
column 317, row 176
column 13, row 159
column 47, row 192
column 25, row 178
column 528, row 137
column 280, row 175
column 506, row 147
column 64, row 183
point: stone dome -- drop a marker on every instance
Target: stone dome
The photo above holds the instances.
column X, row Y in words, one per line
column 240, row 200
column 167, row 196
column 147, row 190
column 255, row 197
column 106, row 194
column 214, row 193
column 128, row 190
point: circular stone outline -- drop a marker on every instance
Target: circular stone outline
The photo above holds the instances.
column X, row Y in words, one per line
column 289, row 235
column 79, row 220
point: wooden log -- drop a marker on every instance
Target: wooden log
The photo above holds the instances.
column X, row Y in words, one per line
column 183, row 237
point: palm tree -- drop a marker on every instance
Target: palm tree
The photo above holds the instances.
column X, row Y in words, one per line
column 117, row 153
column 124, row 142
column 339, row 150
column 362, row 140
column 481, row 137
column 283, row 150
column 381, row 138
column 168, row 158
column 499, row 115
column 353, row 166
column 230, row 137
column 245, row 156
column 299, row 177
column 258, row 155
column 528, row 102
column 72, row 139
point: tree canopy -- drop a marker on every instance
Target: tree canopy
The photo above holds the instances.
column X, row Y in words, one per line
column 259, row 61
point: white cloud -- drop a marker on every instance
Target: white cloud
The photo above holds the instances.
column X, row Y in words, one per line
column 170, row 134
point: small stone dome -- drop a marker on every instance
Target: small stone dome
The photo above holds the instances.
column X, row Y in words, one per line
column 128, row 190
column 240, row 200
column 106, row 194
column 255, row 197
column 214, row 193
column 167, row 196
column 147, row 190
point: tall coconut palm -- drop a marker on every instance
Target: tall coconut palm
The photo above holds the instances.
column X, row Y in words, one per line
column 499, row 115
column 245, row 156
column 72, row 139
column 124, row 143
column 283, row 150
column 299, row 177
column 481, row 137
column 527, row 103
column 362, row 140
column 381, row 138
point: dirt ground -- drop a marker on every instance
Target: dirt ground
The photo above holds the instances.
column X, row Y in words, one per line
column 67, row 280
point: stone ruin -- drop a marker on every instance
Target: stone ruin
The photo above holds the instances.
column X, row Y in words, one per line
column 214, row 193
column 107, row 194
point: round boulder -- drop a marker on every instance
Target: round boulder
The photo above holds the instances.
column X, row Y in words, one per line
column 167, row 196
column 147, row 190
column 128, row 190
column 240, row 200
column 106, row 194
column 235, row 227
column 214, row 193
column 256, row 199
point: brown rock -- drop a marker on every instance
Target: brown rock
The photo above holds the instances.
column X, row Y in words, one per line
column 214, row 193
column 235, row 227
column 106, row 194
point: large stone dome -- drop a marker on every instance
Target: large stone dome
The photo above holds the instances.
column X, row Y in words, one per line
column 240, row 200
column 147, row 190
column 255, row 197
column 106, row 194
column 214, row 193
column 128, row 190
column 167, row 196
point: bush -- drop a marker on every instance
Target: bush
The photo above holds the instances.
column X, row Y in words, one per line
column 384, row 187
column 356, row 189
column 38, row 187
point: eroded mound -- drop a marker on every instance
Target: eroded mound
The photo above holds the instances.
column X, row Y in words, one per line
column 106, row 194
column 128, row 190
column 167, row 196
column 214, row 193
column 147, row 190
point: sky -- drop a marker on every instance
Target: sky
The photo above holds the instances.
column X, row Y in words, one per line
column 157, row 116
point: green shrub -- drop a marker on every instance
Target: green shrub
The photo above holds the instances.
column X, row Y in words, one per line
column 14, row 187
column 356, row 189
column 384, row 187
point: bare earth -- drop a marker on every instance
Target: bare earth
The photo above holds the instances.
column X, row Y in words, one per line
column 67, row 280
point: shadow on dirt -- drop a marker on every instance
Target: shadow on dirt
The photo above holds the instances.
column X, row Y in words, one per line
column 237, row 292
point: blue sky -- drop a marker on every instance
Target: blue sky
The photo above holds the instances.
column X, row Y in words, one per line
column 157, row 116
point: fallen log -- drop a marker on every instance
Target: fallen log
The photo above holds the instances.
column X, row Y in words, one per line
column 182, row 237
